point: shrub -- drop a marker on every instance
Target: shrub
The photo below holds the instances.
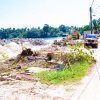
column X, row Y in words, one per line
column 75, row 55
column 76, row 63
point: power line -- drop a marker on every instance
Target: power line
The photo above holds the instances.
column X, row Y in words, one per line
column 95, row 4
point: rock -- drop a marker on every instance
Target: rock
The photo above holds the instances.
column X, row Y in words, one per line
column 2, row 79
column 50, row 55
column 30, row 58
column 23, row 55
column 25, row 77
column 18, row 76
column 26, row 52
column 58, row 98
column 53, row 62
column 60, row 66
column 11, row 59
column 13, row 75
column 17, row 67
column 43, row 57
column 36, row 69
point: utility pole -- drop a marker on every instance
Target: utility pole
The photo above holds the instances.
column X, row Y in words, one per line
column 91, row 15
column 91, row 18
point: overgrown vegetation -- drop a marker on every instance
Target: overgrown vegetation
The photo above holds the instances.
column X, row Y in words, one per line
column 77, row 63
column 75, row 72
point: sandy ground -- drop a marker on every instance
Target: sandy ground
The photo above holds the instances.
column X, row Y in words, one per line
column 22, row 90
column 87, row 89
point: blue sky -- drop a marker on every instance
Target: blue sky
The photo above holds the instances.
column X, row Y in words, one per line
column 34, row 13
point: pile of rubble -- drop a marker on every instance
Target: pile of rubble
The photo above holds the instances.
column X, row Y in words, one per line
column 37, row 61
column 21, row 41
column 12, row 47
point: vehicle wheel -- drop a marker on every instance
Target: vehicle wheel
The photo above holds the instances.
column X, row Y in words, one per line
column 85, row 45
column 93, row 45
column 96, row 45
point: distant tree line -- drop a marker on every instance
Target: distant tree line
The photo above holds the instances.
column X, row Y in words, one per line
column 46, row 31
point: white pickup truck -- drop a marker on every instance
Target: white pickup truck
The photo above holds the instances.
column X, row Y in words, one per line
column 91, row 40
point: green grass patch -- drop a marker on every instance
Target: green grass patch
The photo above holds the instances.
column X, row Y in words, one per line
column 73, row 73
column 77, row 44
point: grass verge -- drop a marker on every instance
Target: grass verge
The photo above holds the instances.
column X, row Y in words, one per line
column 75, row 72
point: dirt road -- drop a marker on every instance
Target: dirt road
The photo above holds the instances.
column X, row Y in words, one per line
column 90, row 85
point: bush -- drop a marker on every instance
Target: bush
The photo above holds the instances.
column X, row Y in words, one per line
column 76, row 63
column 78, row 70
column 75, row 55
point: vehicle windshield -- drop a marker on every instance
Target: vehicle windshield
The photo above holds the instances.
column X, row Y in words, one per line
column 91, row 36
